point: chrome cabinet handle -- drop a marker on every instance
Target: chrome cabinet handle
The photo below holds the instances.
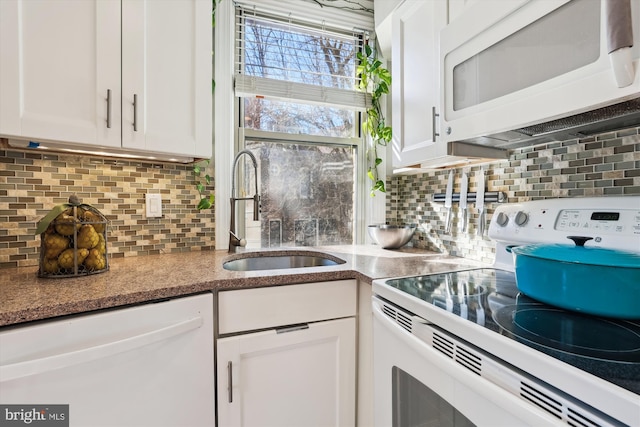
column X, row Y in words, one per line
column 108, row 108
column 135, row 112
column 230, row 386
column 433, row 123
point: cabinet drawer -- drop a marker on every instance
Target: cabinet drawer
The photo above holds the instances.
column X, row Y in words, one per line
column 259, row 308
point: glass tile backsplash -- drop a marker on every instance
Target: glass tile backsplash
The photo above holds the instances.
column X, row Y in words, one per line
column 602, row 165
column 31, row 183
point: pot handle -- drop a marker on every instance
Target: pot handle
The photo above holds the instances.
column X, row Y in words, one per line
column 579, row 240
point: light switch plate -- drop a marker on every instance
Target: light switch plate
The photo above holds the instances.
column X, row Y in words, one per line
column 154, row 205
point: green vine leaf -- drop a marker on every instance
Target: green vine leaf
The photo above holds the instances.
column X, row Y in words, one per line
column 378, row 186
column 206, row 201
column 377, row 80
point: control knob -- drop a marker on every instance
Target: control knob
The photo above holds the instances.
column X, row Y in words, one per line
column 521, row 218
column 502, row 219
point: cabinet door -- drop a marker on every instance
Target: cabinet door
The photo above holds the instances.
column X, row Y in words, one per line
column 298, row 377
column 415, row 37
column 167, row 71
column 457, row 8
column 59, row 60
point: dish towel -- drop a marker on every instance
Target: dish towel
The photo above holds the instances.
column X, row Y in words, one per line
column 619, row 28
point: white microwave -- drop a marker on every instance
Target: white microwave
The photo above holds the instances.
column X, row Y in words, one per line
column 517, row 72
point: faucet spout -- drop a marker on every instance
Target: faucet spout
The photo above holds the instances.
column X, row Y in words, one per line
column 234, row 240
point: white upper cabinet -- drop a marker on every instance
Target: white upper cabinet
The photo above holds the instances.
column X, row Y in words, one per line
column 457, row 8
column 383, row 12
column 415, row 80
column 416, row 97
column 166, row 66
column 72, row 69
column 59, row 60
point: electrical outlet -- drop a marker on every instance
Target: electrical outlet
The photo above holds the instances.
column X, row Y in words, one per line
column 154, row 205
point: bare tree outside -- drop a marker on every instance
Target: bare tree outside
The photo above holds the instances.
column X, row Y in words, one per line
column 276, row 51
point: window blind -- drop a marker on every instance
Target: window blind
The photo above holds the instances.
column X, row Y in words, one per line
column 343, row 14
column 294, row 60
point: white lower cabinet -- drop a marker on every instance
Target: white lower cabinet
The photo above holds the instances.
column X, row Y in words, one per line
column 299, row 373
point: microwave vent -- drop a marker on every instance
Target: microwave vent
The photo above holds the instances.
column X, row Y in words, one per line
column 614, row 117
column 629, row 109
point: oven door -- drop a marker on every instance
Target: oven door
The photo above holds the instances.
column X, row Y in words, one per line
column 417, row 386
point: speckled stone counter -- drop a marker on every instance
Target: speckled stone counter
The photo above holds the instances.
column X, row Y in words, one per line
column 25, row 297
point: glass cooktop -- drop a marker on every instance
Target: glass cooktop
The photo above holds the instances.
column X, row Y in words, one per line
column 607, row 348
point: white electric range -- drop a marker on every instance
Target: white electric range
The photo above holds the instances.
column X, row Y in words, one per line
column 466, row 348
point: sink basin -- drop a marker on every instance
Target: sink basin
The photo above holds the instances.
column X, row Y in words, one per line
column 274, row 262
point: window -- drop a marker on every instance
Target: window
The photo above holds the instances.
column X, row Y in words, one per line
column 307, row 191
column 300, row 112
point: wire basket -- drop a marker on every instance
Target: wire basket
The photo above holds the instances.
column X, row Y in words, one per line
column 74, row 243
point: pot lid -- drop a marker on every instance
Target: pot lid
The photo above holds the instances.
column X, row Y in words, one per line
column 578, row 253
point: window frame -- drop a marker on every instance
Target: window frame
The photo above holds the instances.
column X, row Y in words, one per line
column 229, row 138
column 357, row 142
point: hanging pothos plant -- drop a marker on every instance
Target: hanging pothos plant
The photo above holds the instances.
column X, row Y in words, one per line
column 375, row 79
column 206, row 201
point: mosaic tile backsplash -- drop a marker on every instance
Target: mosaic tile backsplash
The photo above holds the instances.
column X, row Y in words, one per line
column 602, row 165
column 31, row 183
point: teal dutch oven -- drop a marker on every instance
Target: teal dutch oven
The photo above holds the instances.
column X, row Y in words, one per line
column 591, row 280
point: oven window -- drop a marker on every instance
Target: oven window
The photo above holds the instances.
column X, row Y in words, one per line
column 416, row 405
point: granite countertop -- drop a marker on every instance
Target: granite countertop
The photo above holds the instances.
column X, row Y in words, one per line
column 25, row 297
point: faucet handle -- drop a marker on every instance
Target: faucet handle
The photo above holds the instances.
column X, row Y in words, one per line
column 236, row 241
column 256, row 207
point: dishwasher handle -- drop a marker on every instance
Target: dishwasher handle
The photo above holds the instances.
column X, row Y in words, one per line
column 58, row 361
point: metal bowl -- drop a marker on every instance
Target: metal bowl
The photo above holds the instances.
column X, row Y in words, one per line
column 391, row 236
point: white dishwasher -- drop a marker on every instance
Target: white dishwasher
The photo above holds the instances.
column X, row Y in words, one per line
column 147, row 365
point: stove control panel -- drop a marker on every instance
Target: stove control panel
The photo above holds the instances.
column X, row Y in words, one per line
column 612, row 222
column 606, row 222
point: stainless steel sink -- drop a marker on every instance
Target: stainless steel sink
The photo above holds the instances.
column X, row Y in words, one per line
column 273, row 262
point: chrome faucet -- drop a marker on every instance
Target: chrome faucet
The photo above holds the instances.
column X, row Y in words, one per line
column 234, row 240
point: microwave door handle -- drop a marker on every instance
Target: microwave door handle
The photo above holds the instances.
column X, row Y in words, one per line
column 622, row 66
column 619, row 30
